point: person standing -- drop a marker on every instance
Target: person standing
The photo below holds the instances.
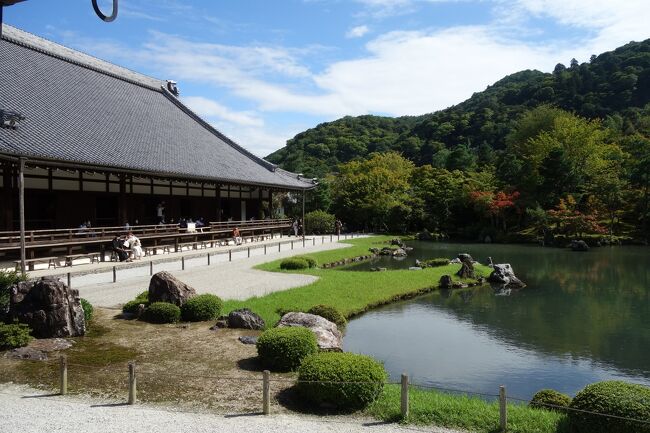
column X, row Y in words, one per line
column 294, row 226
column 338, row 225
column 160, row 212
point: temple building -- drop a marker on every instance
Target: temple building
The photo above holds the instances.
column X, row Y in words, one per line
column 108, row 145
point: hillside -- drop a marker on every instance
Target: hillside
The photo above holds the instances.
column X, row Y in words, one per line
column 615, row 83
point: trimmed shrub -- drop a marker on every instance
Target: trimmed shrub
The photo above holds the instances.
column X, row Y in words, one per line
column 433, row 263
column 201, row 308
column 88, row 310
column 7, row 279
column 617, row 398
column 319, row 222
column 283, row 349
column 14, row 335
column 550, row 399
column 132, row 306
column 293, row 263
column 162, row 312
column 310, row 260
column 329, row 313
column 341, row 367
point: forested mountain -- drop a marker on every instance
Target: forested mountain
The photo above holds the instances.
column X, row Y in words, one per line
column 536, row 154
column 616, row 82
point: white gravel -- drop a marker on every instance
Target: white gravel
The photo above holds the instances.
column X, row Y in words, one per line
column 27, row 410
column 228, row 280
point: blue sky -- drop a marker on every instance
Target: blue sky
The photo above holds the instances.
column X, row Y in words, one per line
column 262, row 71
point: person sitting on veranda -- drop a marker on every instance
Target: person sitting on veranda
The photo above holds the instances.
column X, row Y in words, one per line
column 236, row 235
column 118, row 246
column 135, row 245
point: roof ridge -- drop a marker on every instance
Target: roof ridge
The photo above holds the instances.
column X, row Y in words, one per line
column 38, row 43
column 268, row 165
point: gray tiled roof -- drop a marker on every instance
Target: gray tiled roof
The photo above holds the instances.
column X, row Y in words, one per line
column 83, row 110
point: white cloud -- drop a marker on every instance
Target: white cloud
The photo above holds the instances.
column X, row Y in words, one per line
column 357, row 32
column 208, row 108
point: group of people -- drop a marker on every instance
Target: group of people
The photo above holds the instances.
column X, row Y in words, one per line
column 127, row 247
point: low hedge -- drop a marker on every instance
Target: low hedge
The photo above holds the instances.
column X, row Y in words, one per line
column 14, row 335
column 162, row 312
column 329, row 313
column 311, row 262
column 283, row 349
column 201, row 308
column 364, row 375
column 616, row 398
column 550, row 399
column 293, row 263
column 88, row 310
column 132, row 306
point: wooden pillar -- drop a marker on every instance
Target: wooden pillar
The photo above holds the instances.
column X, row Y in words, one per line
column 271, row 204
column 218, row 202
column 21, row 210
column 260, row 208
column 123, row 213
column 8, row 188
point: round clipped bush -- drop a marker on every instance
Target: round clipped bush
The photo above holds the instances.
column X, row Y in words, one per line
column 162, row 312
column 365, row 379
column 550, row 399
column 329, row 313
column 201, row 308
column 14, row 335
column 319, row 222
column 311, row 262
column 293, row 263
column 88, row 310
column 621, row 399
column 132, row 306
column 283, row 349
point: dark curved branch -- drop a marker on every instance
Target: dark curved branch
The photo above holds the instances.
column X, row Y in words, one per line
column 102, row 16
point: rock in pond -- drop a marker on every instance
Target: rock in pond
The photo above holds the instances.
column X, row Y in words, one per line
column 445, row 282
column 164, row 287
column 245, row 319
column 49, row 307
column 467, row 266
column 579, row 246
column 400, row 252
column 327, row 333
column 504, row 275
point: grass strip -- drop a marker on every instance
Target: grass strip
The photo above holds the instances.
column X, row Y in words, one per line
column 351, row 292
column 431, row 407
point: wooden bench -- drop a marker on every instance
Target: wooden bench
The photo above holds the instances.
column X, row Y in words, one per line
column 52, row 262
column 69, row 258
column 153, row 250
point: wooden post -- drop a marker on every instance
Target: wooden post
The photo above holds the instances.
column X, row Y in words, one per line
column 114, row 274
column 330, row 238
column 264, row 249
column 405, row 396
column 132, row 383
column 230, row 255
column 303, row 241
column 208, row 259
column 279, row 246
column 21, row 212
column 249, row 252
column 503, row 409
column 69, row 281
column 183, row 263
column 63, row 376
column 322, row 239
column 313, row 241
column 291, row 244
column 151, row 267
column 266, row 392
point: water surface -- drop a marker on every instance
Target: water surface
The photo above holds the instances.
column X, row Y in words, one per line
column 583, row 317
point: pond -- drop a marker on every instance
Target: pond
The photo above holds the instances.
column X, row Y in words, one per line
column 583, row 317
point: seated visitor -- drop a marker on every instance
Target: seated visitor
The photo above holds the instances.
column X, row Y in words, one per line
column 118, row 246
column 135, row 245
column 236, row 235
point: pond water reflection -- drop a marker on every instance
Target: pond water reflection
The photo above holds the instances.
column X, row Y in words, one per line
column 583, row 317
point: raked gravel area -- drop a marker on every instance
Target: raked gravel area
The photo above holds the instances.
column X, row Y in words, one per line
column 229, row 280
column 27, row 410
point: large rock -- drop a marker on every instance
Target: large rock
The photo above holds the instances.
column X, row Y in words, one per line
column 49, row 307
column 399, row 252
column 579, row 245
column 445, row 282
column 466, row 266
column 504, row 275
column 245, row 319
column 164, row 287
column 327, row 333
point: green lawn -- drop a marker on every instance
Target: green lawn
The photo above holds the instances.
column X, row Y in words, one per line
column 428, row 407
column 350, row 292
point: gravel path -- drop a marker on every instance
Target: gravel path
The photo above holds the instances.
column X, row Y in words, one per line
column 27, row 410
column 229, row 280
